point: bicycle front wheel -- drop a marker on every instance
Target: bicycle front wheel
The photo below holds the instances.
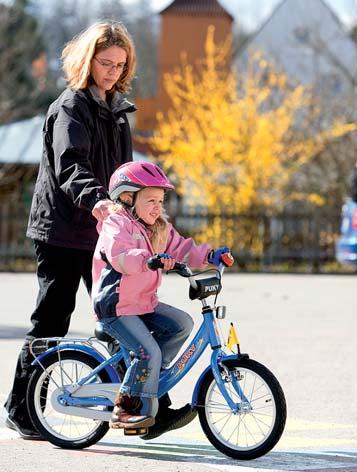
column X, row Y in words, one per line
column 260, row 421
column 63, row 430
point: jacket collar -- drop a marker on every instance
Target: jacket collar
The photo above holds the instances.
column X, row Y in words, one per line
column 117, row 106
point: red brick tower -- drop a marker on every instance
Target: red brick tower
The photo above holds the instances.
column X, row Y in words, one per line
column 184, row 25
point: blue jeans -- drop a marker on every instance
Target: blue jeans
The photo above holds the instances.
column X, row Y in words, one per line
column 155, row 339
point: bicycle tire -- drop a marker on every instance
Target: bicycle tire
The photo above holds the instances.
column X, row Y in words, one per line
column 272, row 399
column 37, row 403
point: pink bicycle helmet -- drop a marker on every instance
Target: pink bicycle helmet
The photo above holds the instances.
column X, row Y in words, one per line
column 133, row 176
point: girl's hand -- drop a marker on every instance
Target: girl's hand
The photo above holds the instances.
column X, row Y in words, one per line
column 161, row 261
column 214, row 256
column 167, row 261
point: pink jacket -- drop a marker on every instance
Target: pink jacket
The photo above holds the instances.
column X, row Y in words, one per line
column 127, row 247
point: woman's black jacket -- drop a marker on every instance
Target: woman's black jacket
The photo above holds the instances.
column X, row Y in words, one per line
column 84, row 141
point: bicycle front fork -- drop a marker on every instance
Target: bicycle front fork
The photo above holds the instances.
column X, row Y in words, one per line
column 223, row 377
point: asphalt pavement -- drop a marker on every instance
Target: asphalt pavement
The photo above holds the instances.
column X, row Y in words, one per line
column 302, row 327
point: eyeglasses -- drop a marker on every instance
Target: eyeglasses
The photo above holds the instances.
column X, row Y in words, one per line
column 109, row 65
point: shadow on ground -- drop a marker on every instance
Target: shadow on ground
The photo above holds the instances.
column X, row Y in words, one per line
column 205, row 454
column 12, row 332
column 19, row 332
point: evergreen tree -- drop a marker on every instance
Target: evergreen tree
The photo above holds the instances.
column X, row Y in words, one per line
column 20, row 45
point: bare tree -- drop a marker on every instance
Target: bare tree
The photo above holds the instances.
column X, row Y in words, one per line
column 112, row 10
column 73, row 19
column 144, row 29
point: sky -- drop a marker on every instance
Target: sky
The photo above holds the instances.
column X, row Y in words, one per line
column 252, row 13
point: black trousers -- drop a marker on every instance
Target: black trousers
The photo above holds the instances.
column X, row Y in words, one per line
column 59, row 271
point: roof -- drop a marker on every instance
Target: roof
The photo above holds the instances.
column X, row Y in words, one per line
column 21, row 142
column 305, row 41
column 196, row 7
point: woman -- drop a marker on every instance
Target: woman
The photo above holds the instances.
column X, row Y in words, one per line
column 86, row 136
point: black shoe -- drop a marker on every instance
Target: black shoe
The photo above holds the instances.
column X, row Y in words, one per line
column 169, row 420
column 25, row 433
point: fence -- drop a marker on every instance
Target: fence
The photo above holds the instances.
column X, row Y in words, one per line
column 280, row 242
column 263, row 242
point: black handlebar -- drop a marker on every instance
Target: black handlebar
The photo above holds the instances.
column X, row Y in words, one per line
column 154, row 263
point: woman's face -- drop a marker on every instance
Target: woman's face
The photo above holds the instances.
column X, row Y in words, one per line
column 149, row 203
column 106, row 68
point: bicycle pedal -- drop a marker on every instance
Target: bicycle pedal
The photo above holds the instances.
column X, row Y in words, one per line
column 135, row 431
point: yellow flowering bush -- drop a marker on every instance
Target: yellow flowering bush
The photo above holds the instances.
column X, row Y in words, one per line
column 234, row 141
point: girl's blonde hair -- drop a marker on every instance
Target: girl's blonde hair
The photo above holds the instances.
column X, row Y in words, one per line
column 78, row 54
column 159, row 234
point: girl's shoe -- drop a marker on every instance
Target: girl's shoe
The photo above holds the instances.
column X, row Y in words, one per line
column 127, row 413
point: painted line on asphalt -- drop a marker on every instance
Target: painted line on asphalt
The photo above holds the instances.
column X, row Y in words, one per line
column 298, row 434
column 239, row 468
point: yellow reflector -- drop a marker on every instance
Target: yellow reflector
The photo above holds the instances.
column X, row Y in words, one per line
column 232, row 338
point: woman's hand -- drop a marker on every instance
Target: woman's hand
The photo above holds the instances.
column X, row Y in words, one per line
column 103, row 209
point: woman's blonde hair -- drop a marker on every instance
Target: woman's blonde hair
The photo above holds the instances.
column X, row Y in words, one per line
column 78, row 54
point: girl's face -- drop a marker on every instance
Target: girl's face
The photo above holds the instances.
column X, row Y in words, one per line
column 148, row 205
column 107, row 67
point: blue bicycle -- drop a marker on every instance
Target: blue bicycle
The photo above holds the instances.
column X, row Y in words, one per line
column 241, row 405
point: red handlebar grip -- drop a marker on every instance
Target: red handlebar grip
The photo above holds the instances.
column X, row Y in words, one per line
column 227, row 259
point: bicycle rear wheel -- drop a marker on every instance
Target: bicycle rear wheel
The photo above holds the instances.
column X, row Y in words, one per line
column 258, row 425
column 66, row 431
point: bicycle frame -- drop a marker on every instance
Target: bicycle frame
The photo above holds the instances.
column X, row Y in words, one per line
column 86, row 393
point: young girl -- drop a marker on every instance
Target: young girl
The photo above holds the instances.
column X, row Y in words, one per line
column 124, row 288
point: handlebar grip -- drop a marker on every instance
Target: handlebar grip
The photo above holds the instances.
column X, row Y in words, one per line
column 179, row 266
column 154, row 263
column 227, row 259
